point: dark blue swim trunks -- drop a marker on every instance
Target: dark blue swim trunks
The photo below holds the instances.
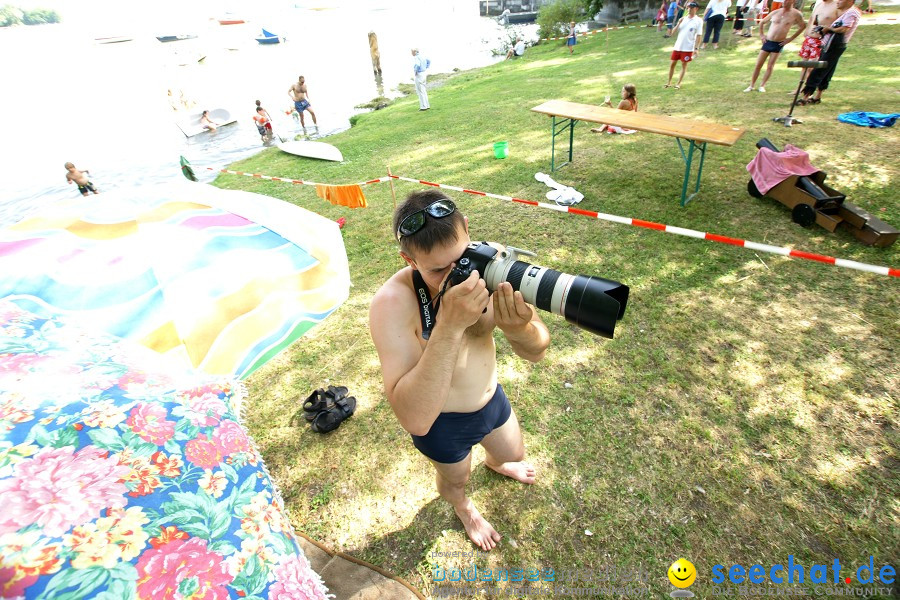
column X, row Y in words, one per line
column 301, row 105
column 452, row 435
column 773, row 47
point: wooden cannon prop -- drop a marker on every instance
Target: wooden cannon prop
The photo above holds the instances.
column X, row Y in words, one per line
column 811, row 200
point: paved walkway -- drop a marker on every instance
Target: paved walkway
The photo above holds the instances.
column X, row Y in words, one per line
column 349, row 578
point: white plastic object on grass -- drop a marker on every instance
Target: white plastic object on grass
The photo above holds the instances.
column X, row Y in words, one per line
column 561, row 194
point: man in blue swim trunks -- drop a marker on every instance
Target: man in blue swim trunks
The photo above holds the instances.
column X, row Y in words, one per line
column 439, row 364
column 300, row 96
column 781, row 21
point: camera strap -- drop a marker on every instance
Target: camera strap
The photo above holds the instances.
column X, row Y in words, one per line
column 427, row 312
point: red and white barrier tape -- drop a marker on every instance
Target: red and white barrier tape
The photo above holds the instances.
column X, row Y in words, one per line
column 722, row 239
column 605, row 29
column 757, row 19
column 294, row 181
column 839, row 262
column 594, row 32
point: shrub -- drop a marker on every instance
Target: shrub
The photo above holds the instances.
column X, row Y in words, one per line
column 40, row 16
column 10, row 15
column 554, row 18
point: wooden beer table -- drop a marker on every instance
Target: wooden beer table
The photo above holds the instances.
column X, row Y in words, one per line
column 695, row 133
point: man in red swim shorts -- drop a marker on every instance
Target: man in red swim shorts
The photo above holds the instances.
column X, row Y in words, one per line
column 690, row 26
column 823, row 15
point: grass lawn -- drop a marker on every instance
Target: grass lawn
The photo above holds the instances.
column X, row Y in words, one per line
column 747, row 408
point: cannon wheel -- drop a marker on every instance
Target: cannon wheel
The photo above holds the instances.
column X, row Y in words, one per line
column 803, row 215
column 753, row 190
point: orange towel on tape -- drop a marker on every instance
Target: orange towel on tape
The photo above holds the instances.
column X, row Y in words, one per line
column 350, row 196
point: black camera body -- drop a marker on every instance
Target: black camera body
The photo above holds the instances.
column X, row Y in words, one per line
column 592, row 303
column 475, row 258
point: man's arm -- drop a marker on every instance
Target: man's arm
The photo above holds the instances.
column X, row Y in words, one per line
column 801, row 27
column 843, row 28
column 762, row 28
column 417, row 382
column 520, row 323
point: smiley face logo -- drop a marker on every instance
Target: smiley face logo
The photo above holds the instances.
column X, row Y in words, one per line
column 682, row 573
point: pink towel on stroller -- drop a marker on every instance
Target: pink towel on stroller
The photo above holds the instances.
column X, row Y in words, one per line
column 769, row 168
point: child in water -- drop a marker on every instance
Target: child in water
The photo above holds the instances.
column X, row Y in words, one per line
column 80, row 179
column 263, row 122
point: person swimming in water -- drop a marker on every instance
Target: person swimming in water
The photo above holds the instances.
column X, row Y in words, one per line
column 80, row 179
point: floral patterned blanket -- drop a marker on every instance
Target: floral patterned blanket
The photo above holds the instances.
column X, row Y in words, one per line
column 120, row 480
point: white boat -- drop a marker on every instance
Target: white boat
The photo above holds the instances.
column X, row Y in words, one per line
column 113, row 39
column 190, row 125
column 319, row 150
column 175, row 38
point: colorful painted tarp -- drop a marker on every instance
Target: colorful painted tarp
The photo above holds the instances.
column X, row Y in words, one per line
column 121, row 478
column 220, row 280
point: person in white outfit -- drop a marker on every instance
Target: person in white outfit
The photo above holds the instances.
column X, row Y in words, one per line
column 689, row 29
column 420, row 65
column 755, row 11
column 717, row 10
column 740, row 8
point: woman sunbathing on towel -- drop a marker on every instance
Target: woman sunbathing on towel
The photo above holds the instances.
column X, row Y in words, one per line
column 629, row 102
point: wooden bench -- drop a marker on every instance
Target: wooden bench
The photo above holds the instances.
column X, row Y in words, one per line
column 695, row 133
column 633, row 14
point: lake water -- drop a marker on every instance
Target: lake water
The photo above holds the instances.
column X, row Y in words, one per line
column 105, row 107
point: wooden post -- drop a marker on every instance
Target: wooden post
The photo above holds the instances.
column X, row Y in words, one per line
column 393, row 194
column 374, row 52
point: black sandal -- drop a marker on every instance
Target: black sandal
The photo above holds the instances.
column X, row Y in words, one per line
column 332, row 417
column 314, row 404
column 336, row 392
column 321, row 400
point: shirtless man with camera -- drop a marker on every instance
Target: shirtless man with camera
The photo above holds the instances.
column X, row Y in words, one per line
column 440, row 366
column 781, row 22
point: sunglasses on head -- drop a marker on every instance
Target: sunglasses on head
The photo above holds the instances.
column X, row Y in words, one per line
column 416, row 221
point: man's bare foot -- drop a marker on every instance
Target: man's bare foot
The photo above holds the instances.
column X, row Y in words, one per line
column 520, row 471
column 479, row 530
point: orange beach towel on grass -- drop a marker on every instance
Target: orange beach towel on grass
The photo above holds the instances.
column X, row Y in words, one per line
column 350, row 196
